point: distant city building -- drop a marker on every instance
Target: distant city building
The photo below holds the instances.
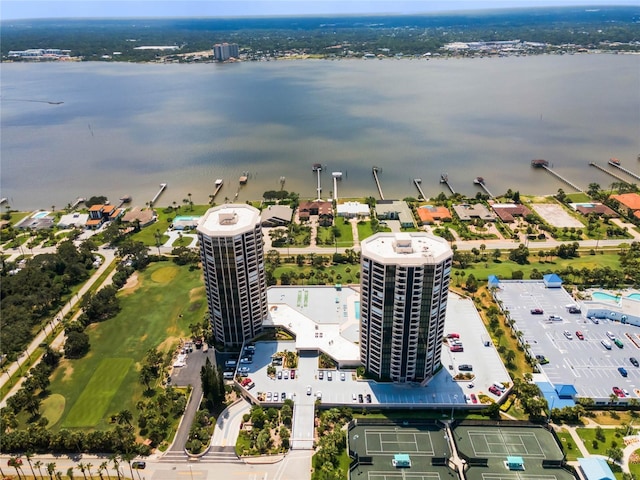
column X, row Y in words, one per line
column 39, row 54
column 231, row 250
column 225, row 51
column 404, row 289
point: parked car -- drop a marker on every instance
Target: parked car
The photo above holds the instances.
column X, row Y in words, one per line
column 618, row 343
column 268, row 396
column 138, row 465
column 286, row 374
column 634, row 361
column 580, row 335
column 606, row 344
column 283, row 396
column 574, row 309
column 319, row 395
column 611, row 335
column 537, row 311
column 618, row 392
column 293, row 374
column 555, row 318
column 275, row 396
column 623, row 371
column 567, row 334
column 321, row 374
column 496, row 391
column 279, row 374
column 354, row 397
column 342, row 376
column 308, row 389
column 360, row 398
column 465, row 367
column 474, row 399
column 542, row 360
column 456, row 348
column 453, row 335
column 329, row 376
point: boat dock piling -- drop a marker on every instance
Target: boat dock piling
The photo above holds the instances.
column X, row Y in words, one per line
column 614, row 162
column 480, row 182
column 336, row 176
column 444, row 178
column 417, row 182
column 153, row 200
column 561, row 178
column 608, row 172
column 375, row 177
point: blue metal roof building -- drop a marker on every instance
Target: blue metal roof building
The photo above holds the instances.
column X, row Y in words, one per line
column 596, row 468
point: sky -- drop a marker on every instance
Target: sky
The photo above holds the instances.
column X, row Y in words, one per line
column 22, row 9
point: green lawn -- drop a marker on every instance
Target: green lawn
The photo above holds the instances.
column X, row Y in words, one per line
column 588, row 435
column 345, row 237
column 165, row 217
column 568, row 446
column 155, row 314
column 504, row 269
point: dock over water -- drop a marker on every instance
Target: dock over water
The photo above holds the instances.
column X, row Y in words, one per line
column 444, row 178
column 162, row 188
column 418, row 183
column 375, row 171
column 608, row 172
column 539, row 163
column 480, row 182
column 614, row 162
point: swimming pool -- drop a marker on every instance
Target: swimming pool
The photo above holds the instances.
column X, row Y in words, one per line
column 634, row 296
column 357, row 309
column 40, row 215
column 185, row 219
column 605, row 296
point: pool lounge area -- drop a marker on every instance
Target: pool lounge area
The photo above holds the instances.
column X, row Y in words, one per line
column 623, row 306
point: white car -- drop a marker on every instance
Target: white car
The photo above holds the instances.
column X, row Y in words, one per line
column 319, row 395
column 354, row 397
column 567, row 334
column 308, row 389
column 268, row 396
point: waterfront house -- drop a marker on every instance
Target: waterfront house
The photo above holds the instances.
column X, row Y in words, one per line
column 324, row 211
column 395, row 210
column 429, row 214
column 276, row 216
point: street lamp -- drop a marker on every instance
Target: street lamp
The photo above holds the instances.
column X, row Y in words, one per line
column 191, row 471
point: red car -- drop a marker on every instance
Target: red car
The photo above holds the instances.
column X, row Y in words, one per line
column 293, row 374
column 579, row 335
column 495, row 390
column 474, row 399
column 457, row 348
column 453, row 335
column 537, row 311
column 618, row 392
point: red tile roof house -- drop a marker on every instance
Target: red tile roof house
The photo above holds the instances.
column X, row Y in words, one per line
column 429, row 214
column 598, row 209
column 98, row 214
column 324, row 210
column 508, row 211
column 629, row 203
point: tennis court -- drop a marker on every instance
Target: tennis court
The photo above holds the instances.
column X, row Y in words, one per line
column 499, row 442
column 377, row 444
column 516, row 476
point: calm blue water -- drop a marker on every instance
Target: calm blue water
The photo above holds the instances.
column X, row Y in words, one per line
column 634, row 296
column 357, row 310
column 140, row 125
column 185, row 219
column 40, row 215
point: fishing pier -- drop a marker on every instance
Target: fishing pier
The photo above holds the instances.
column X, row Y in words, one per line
column 545, row 164
column 337, row 176
column 375, row 171
column 218, row 186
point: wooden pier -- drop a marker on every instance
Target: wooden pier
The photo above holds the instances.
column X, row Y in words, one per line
column 153, row 200
column 337, row 176
column 318, row 169
column 545, row 164
column 418, row 183
column 219, row 184
column 480, row 182
column 444, row 178
column 608, row 172
column 614, row 162
column 78, row 201
column 375, row 171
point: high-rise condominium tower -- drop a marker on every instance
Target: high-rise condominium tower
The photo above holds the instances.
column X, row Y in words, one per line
column 405, row 282
column 233, row 262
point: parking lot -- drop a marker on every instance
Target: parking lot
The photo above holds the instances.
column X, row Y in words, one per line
column 584, row 363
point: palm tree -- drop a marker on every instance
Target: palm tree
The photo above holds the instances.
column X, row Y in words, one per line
column 70, row 473
column 51, row 469
column 38, row 464
column 82, row 467
column 124, row 416
column 103, row 467
column 15, row 462
column 29, row 456
column 116, row 464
